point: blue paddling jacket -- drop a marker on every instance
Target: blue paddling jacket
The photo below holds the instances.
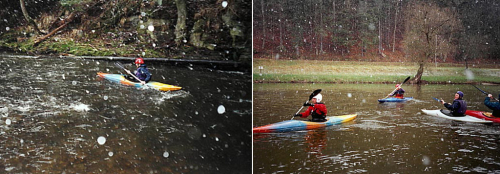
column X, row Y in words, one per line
column 143, row 73
column 399, row 93
column 495, row 106
column 458, row 107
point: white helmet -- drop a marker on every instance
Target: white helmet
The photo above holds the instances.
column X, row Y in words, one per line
column 318, row 97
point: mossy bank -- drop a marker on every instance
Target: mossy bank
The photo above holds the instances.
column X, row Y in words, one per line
column 183, row 29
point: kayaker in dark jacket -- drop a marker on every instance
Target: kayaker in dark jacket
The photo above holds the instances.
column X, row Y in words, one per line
column 141, row 73
column 399, row 93
column 495, row 106
column 316, row 109
column 459, row 105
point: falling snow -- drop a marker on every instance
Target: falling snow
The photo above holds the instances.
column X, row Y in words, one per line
column 101, row 140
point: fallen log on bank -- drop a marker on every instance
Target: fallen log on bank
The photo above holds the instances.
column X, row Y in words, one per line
column 66, row 21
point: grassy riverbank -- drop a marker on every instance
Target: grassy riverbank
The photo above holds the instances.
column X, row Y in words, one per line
column 299, row 71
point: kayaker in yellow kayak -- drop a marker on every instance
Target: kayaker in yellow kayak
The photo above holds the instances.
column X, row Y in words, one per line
column 316, row 109
column 141, row 73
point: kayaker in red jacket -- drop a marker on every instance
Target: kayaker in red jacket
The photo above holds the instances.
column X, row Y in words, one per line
column 316, row 109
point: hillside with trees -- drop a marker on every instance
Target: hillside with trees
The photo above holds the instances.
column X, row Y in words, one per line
column 338, row 29
column 380, row 30
column 214, row 29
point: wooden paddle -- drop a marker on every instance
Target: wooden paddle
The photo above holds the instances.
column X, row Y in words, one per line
column 118, row 64
column 484, row 92
column 408, row 78
column 314, row 93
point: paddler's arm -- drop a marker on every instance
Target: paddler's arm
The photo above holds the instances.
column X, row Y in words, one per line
column 148, row 75
column 306, row 113
column 491, row 105
column 453, row 106
column 446, row 105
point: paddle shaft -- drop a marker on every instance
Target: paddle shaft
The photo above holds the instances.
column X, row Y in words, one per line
column 121, row 66
column 408, row 78
column 484, row 92
column 436, row 99
column 298, row 112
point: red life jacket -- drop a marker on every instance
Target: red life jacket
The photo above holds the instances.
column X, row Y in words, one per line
column 318, row 111
column 399, row 93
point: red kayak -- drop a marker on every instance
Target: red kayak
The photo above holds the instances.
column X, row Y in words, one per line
column 483, row 115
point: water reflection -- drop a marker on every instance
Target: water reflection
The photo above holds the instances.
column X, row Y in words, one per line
column 316, row 142
column 392, row 105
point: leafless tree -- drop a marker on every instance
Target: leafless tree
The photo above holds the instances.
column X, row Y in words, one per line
column 430, row 31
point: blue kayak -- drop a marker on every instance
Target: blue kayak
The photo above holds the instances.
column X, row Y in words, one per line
column 392, row 99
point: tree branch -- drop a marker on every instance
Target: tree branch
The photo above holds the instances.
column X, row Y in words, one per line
column 66, row 22
column 28, row 18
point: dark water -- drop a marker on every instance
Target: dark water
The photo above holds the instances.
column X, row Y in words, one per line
column 53, row 111
column 385, row 138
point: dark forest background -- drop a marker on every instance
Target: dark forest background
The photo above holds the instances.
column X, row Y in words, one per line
column 206, row 29
column 377, row 30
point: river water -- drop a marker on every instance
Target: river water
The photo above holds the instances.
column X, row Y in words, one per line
column 57, row 116
column 385, row 138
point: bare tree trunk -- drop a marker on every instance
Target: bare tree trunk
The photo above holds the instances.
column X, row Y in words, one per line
column 334, row 24
column 28, row 18
column 395, row 25
column 180, row 27
column 362, row 48
column 263, row 24
column 379, row 37
column 321, row 26
column 281, row 26
column 466, row 65
column 435, row 52
column 418, row 77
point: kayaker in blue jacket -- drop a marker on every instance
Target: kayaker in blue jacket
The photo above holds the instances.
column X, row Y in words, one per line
column 399, row 93
column 459, row 105
column 495, row 106
column 141, row 73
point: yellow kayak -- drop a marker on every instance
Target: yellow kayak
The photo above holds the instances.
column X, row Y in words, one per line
column 118, row 78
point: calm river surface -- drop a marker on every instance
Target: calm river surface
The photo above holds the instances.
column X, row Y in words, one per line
column 57, row 116
column 385, row 138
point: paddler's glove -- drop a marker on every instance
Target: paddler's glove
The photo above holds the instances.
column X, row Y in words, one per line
column 297, row 115
column 308, row 104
